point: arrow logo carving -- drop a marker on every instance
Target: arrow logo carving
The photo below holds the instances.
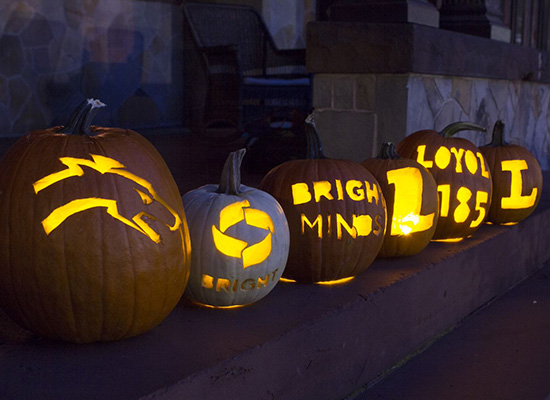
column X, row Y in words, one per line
column 233, row 247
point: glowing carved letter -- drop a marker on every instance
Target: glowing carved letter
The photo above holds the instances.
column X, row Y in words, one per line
column 462, row 211
column 481, row 198
column 516, row 200
column 363, row 224
column 458, row 156
column 471, row 162
column 408, row 202
column 322, row 189
column 484, row 170
column 372, row 192
column 340, row 221
column 442, row 157
column 420, row 157
column 318, row 221
column 354, row 190
column 300, row 193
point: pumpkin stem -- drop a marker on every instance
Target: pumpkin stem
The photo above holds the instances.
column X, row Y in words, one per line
column 498, row 135
column 314, row 145
column 455, row 127
column 388, row 152
column 230, row 180
column 81, row 118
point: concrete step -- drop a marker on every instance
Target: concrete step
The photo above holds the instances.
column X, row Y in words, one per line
column 500, row 352
column 299, row 342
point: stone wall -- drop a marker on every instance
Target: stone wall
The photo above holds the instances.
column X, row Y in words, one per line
column 56, row 53
column 357, row 112
column 378, row 82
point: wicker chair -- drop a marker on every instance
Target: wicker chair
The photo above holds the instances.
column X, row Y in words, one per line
column 248, row 78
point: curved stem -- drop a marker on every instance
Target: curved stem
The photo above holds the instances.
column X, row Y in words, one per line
column 81, row 118
column 498, row 135
column 230, row 180
column 455, row 127
column 387, row 151
column 314, row 145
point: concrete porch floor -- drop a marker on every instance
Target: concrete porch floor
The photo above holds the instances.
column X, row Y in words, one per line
column 500, row 352
column 317, row 342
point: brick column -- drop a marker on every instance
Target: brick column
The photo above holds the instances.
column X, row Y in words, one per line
column 476, row 17
column 412, row 11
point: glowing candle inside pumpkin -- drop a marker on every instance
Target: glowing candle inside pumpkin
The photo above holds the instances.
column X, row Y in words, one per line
column 408, row 202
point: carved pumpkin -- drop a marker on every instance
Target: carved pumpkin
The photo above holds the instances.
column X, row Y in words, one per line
column 240, row 240
column 517, row 179
column 461, row 173
column 411, row 202
column 94, row 244
column 335, row 210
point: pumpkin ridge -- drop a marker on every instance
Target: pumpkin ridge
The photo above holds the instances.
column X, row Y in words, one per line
column 73, row 320
column 319, row 247
column 102, row 252
column 46, row 322
column 358, row 255
column 21, row 314
column 203, row 234
column 132, row 321
column 345, row 170
column 72, row 323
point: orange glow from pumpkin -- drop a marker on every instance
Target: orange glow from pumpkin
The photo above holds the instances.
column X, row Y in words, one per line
column 408, row 202
column 325, row 283
column 220, row 307
column 336, row 282
column 452, row 240
column 516, row 200
column 233, row 247
column 103, row 165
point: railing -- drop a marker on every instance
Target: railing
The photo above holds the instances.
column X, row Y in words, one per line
column 529, row 22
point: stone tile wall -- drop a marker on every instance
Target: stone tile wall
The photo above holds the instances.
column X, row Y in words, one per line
column 56, row 53
column 375, row 108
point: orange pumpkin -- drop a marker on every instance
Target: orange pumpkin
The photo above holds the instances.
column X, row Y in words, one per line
column 461, row 173
column 94, row 244
column 411, row 202
column 336, row 213
column 517, row 179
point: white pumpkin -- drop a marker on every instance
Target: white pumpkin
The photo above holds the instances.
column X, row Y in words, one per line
column 239, row 240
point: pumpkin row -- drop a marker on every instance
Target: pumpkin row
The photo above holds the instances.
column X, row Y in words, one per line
column 98, row 244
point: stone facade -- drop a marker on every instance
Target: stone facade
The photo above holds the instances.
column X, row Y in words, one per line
column 387, row 107
column 56, row 53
